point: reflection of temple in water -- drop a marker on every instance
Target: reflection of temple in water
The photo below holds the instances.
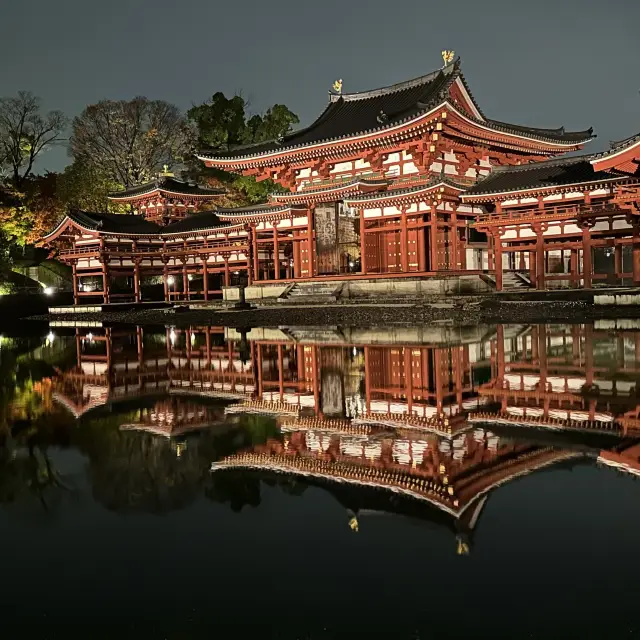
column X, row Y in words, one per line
column 392, row 420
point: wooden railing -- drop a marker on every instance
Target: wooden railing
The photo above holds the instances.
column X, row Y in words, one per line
column 558, row 213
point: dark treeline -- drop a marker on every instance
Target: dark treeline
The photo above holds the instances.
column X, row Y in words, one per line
column 116, row 144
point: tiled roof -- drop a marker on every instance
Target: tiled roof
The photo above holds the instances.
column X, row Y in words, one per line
column 256, row 209
column 614, row 147
column 165, row 183
column 394, row 193
column 352, row 114
column 195, row 222
column 538, row 175
column 551, row 135
column 114, row 222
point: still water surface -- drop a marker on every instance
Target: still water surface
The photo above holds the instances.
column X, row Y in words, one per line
column 321, row 483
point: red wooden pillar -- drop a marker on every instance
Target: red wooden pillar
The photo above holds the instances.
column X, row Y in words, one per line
column 136, row 280
column 617, row 260
column 540, row 261
column 105, row 283
column 74, row 271
column 404, row 243
column 185, row 282
column 434, row 239
column 256, row 255
column 296, row 256
column 573, row 267
column 636, row 254
column 276, row 251
column 311, row 243
column 497, row 244
column 205, row 279
column 522, row 266
column 226, row 271
column 454, row 260
column 363, row 244
column 165, row 276
column 421, row 249
column 587, row 262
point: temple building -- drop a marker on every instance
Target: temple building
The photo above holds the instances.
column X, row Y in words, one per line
column 405, row 188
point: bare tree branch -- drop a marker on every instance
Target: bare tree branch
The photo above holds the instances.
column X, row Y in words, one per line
column 130, row 140
column 25, row 134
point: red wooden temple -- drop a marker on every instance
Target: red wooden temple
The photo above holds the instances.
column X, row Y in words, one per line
column 406, row 182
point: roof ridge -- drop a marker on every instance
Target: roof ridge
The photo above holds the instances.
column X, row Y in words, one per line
column 529, row 166
column 398, row 86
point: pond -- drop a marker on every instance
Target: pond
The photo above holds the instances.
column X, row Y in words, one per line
column 329, row 482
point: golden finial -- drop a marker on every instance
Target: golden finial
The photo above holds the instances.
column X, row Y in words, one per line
column 447, row 56
column 353, row 523
column 337, row 86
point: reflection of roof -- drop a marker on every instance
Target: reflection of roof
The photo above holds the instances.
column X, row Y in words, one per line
column 538, row 175
column 415, row 487
column 166, row 184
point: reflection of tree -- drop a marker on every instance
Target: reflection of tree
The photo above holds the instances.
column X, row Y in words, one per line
column 26, row 468
column 138, row 471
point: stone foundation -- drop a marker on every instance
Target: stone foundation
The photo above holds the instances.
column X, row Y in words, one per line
column 372, row 288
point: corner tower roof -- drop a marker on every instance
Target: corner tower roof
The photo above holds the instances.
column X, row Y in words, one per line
column 165, row 185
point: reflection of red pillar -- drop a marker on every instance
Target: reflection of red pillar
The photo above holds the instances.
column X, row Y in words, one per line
column 438, row 379
column 259, row 372
column 408, row 382
column 316, row 389
column 367, row 381
column 280, row 372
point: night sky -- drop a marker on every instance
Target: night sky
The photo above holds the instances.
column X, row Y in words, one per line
column 542, row 63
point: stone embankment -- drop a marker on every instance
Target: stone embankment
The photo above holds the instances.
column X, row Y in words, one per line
column 449, row 310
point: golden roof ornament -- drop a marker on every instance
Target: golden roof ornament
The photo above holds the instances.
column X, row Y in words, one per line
column 337, row 86
column 353, row 524
column 448, row 56
column 165, row 171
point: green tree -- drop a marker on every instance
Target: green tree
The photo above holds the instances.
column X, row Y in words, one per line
column 85, row 187
column 222, row 123
column 29, row 213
